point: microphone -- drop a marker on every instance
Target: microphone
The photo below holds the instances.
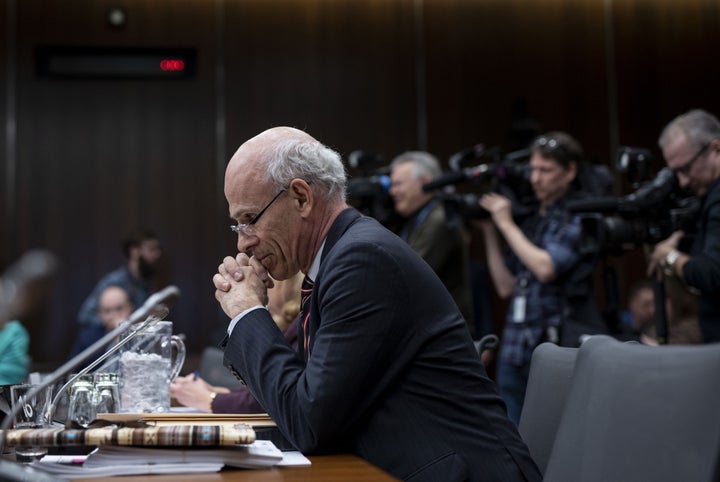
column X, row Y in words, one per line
column 455, row 177
column 153, row 310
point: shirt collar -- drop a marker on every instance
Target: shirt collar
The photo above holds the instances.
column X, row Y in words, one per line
column 315, row 266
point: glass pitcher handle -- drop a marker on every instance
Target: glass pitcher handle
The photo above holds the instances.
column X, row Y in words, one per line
column 178, row 346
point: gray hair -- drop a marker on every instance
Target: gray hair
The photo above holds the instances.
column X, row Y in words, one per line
column 317, row 164
column 700, row 127
column 424, row 163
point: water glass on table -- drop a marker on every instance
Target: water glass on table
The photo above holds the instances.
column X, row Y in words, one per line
column 31, row 411
column 81, row 407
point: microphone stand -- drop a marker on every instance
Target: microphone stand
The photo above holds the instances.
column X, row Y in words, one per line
column 152, row 304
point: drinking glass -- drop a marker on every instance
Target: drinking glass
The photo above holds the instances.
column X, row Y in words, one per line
column 107, row 398
column 81, row 407
column 30, row 412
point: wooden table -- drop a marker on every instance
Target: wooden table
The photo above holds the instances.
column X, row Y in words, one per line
column 324, row 468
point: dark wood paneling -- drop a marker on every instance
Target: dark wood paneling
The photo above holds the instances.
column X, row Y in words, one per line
column 6, row 250
column 98, row 157
column 485, row 57
column 343, row 70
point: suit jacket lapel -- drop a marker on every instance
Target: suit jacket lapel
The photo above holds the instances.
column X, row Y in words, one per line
column 344, row 220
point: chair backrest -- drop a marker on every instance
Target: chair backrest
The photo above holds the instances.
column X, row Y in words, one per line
column 551, row 371
column 213, row 371
column 637, row 412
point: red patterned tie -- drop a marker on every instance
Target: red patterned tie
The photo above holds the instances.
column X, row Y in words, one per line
column 305, row 293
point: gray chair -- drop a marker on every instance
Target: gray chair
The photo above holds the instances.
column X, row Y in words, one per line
column 551, row 371
column 637, row 413
column 213, row 371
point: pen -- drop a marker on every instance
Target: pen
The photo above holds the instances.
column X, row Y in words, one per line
column 196, row 373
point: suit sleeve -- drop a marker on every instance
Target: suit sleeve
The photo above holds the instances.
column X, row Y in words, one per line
column 702, row 271
column 353, row 360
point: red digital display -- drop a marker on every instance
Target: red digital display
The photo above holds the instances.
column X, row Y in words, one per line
column 172, row 65
column 115, row 62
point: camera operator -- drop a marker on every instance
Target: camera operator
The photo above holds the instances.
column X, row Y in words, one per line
column 690, row 144
column 547, row 272
column 432, row 232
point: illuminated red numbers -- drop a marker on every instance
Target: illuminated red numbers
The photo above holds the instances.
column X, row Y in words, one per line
column 172, row 65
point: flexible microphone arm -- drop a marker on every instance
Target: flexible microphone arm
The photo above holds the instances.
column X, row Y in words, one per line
column 155, row 302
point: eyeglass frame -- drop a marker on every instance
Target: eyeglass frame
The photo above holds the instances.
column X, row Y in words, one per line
column 549, row 146
column 245, row 228
column 685, row 168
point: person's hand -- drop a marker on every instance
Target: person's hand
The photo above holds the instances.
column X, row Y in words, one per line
column 194, row 392
column 240, row 284
column 499, row 207
column 660, row 252
column 230, row 267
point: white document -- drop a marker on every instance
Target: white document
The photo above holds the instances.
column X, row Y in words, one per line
column 110, row 460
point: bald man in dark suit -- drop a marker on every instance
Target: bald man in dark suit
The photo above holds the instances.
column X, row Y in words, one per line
column 386, row 368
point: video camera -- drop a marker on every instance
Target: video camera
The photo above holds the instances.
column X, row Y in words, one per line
column 370, row 193
column 650, row 214
column 506, row 175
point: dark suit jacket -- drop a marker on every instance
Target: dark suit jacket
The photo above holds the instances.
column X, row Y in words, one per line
column 702, row 271
column 393, row 375
column 240, row 399
column 442, row 243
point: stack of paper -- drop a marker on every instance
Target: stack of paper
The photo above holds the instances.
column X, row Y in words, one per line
column 110, row 460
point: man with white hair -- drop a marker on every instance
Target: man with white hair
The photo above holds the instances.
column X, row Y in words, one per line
column 385, row 366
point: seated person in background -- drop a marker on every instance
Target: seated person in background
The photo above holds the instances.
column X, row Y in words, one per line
column 143, row 252
column 14, row 357
column 24, row 290
column 681, row 310
column 640, row 315
column 430, row 230
column 546, row 273
column 114, row 307
column 192, row 391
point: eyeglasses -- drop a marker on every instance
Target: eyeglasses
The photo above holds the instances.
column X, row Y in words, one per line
column 551, row 147
column 247, row 228
column 685, row 168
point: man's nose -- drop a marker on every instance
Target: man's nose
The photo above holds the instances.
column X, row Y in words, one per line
column 245, row 243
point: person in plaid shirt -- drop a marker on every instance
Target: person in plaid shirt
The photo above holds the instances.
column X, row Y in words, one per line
column 547, row 273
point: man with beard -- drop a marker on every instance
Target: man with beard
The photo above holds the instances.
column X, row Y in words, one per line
column 142, row 250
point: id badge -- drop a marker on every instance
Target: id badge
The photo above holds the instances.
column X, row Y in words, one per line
column 518, row 309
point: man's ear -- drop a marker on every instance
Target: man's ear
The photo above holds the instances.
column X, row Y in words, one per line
column 302, row 195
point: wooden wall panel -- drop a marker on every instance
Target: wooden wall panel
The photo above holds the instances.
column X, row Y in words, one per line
column 99, row 157
column 343, row 70
column 96, row 157
column 485, row 57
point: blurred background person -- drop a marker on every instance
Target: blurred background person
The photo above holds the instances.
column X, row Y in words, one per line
column 546, row 273
column 639, row 318
column 14, row 353
column 681, row 316
column 431, row 231
column 114, row 307
column 24, row 289
column 690, row 144
column 143, row 252
column 193, row 391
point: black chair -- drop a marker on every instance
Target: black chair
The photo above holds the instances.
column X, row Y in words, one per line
column 637, row 413
column 551, row 371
